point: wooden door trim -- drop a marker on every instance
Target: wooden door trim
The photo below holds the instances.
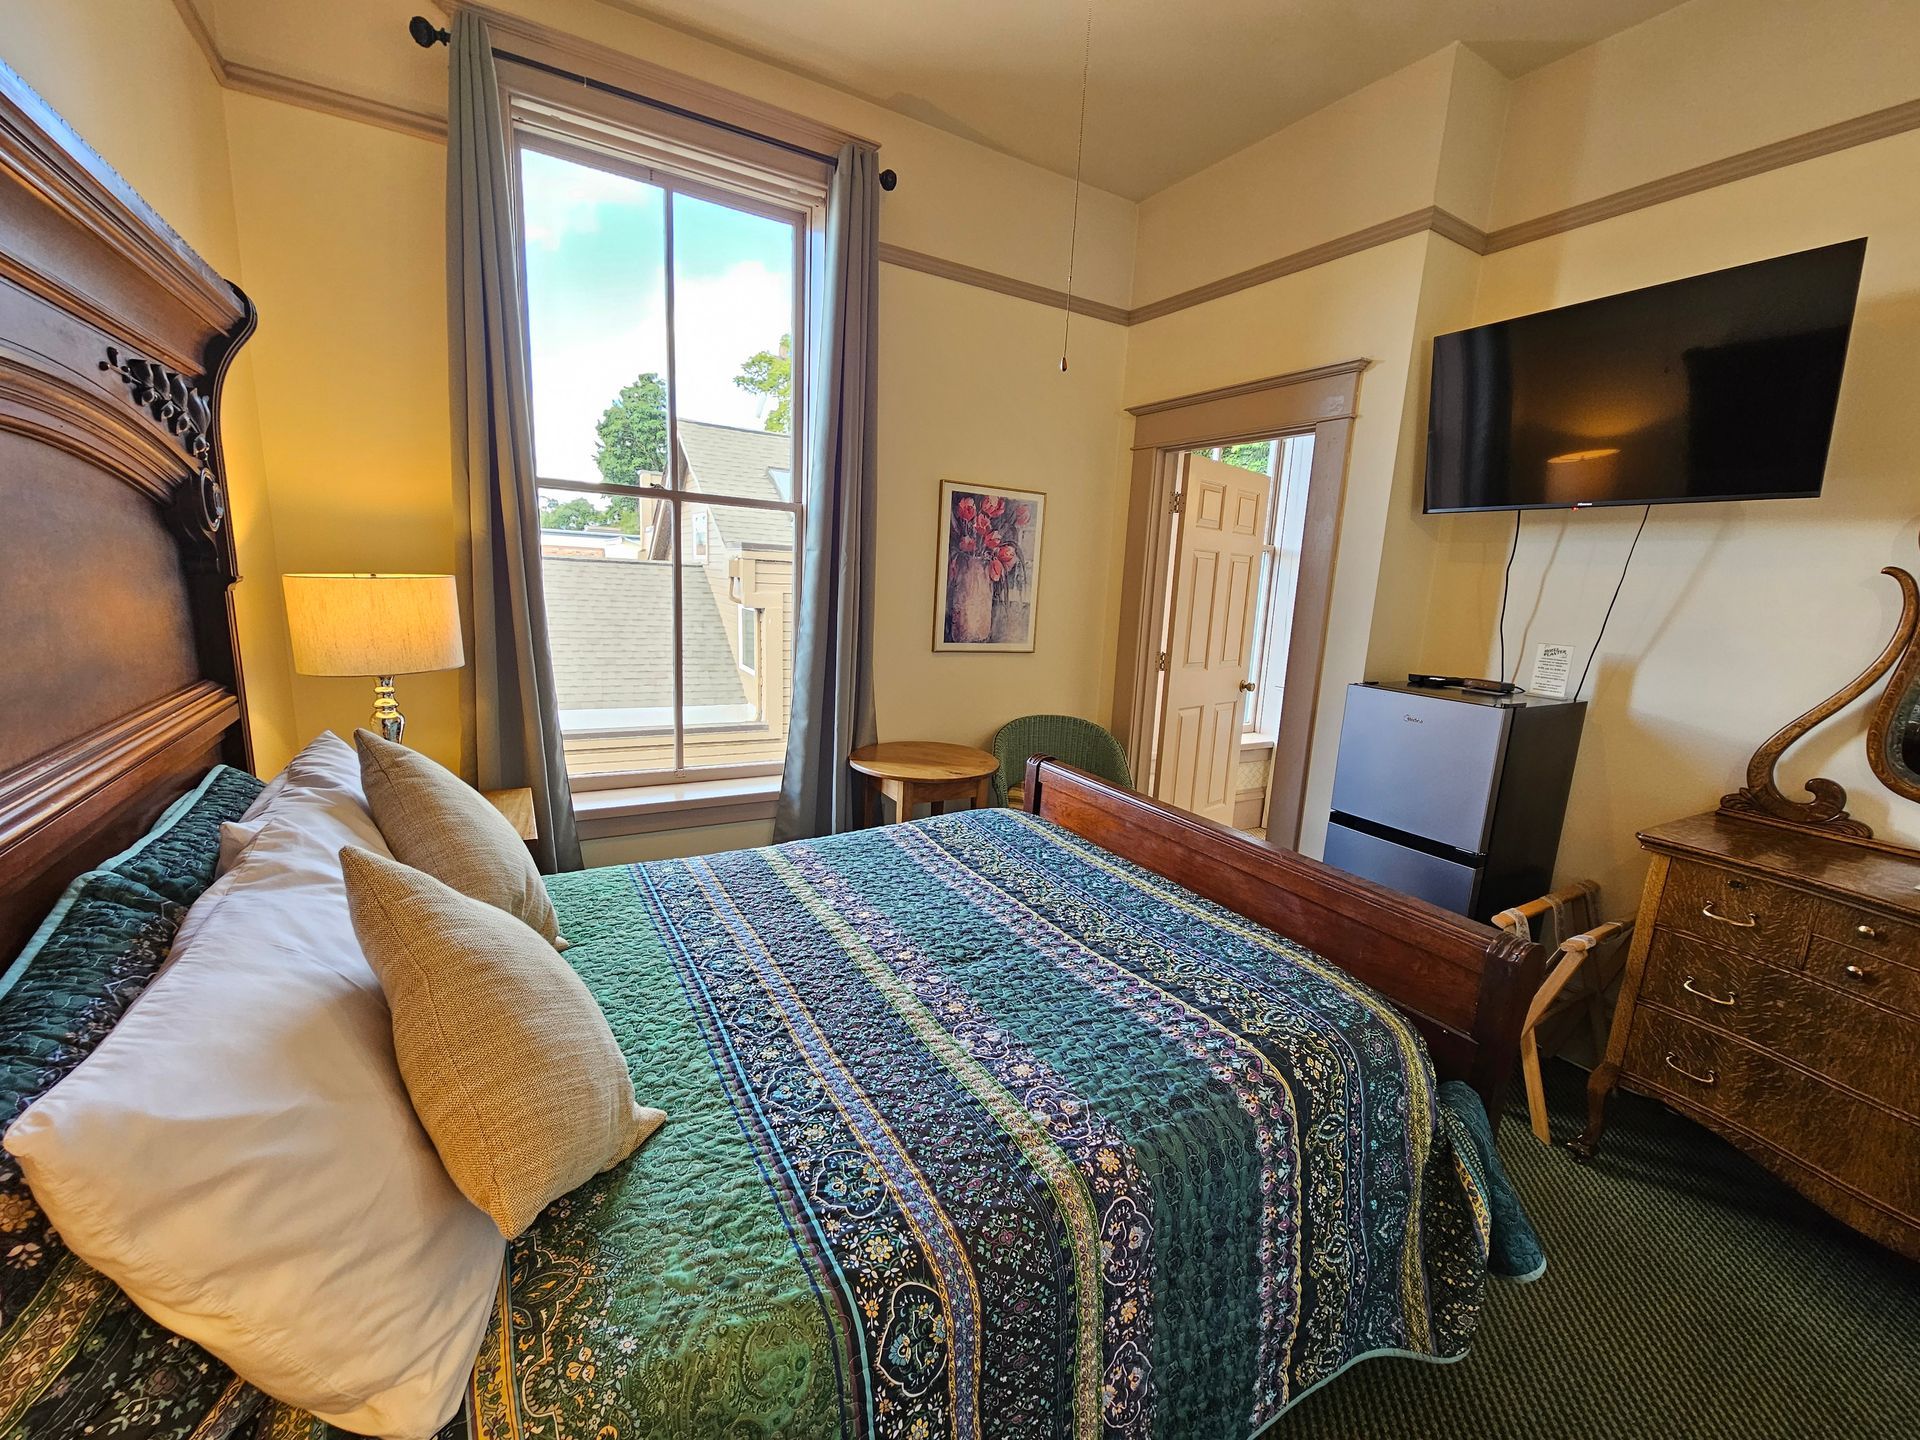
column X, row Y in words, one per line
column 1307, row 635
column 1322, row 401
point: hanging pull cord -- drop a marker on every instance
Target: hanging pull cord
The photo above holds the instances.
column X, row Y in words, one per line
column 1079, row 152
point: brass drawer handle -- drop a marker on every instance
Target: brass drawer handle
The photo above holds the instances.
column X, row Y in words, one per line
column 1732, row 997
column 1866, row 932
column 1713, row 914
column 1864, row 976
column 1712, row 1077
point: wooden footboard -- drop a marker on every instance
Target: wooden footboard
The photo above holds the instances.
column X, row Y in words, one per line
column 1464, row 985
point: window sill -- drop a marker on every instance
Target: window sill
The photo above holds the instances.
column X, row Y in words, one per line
column 1251, row 741
column 648, row 809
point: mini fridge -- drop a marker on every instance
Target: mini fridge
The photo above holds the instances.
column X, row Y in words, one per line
column 1454, row 797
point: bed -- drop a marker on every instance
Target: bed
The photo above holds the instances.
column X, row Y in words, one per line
column 1094, row 1120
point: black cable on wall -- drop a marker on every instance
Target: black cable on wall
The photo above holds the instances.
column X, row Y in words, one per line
column 1645, row 513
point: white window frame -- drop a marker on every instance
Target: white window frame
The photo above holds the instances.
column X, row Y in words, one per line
column 749, row 644
column 590, row 129
column 1290, row 478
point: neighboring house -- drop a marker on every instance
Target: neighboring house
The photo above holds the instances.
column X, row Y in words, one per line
column 748, row 554
column 594, row 543
column 610, row 616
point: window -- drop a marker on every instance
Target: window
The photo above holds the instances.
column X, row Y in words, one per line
column 749, row 639
column 664, row 335
column 1289, row 464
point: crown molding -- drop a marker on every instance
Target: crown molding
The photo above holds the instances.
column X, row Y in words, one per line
column 557, row 46
column 927, row 264
column 1414, row 222
column 1811, row 145
column 202, row 34
column 270, row 85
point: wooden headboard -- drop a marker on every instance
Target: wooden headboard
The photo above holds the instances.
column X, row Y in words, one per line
column 119, row 673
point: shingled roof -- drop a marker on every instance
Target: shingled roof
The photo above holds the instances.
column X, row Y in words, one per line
column 723, row 460
column 610, row 629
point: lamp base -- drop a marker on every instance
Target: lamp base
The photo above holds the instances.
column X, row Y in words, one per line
column 387, row 718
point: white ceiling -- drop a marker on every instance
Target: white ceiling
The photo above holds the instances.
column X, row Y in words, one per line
column 1176, row 84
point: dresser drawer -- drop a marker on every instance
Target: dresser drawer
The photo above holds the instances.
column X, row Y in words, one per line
column 1829, row 1031
column 1864, row 930
column 1857, row 1144
column 1726, row 907
column 1873, row 977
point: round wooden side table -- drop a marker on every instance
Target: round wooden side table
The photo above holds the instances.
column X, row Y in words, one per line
column 912, row 772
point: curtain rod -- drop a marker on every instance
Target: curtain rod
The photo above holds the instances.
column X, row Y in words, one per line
column 427, row 35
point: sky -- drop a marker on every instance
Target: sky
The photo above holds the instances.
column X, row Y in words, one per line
column 596, row 295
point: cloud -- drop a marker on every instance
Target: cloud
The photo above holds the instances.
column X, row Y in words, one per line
column 563, row 200
column 720, row 320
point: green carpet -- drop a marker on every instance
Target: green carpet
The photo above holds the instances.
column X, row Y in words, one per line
column 1688, row 1296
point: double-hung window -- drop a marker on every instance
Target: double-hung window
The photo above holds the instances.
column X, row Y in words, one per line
column 666, row 303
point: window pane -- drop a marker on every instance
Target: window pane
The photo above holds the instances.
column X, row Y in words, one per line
column 609, row 586
column 1256, row 661
column 733, row 329
column 597, row 328
column 738, row 634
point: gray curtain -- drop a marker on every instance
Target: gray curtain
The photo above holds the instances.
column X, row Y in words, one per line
column 833, row 637
column 510, row 716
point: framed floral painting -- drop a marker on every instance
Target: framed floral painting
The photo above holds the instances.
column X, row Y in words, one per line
column 988, row 571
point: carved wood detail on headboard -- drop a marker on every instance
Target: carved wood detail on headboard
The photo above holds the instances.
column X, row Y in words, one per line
column 119, row 672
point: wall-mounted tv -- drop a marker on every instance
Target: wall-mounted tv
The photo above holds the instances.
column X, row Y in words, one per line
column 1721, row 387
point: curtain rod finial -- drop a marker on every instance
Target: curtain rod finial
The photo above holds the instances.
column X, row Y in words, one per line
column 889, row 179
column 426, row 34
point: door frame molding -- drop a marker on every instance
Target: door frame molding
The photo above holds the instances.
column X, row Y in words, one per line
column 1321, row 401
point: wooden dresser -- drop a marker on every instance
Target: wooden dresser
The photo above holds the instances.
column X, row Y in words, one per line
column 1773, row 994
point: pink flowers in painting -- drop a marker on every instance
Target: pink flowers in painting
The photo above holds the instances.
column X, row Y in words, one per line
column 990, row 540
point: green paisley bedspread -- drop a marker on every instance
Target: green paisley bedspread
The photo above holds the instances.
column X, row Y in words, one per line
column 975, row 1130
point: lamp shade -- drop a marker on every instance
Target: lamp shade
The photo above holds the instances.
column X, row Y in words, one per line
column 373, row 624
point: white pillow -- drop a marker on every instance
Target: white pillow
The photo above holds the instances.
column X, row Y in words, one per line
column 325, row 774
column 268, row 794
column 241, row 1155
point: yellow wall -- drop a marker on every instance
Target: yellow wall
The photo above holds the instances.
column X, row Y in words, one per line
column 1701, row 82
column 340, row 409
column 134, row 85
column 342, row 229
column 1735, row 617
column 986, row 403
column 1363, row 306
column 1374, row 156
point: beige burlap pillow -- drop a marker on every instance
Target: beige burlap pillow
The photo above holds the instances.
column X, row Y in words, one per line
column 436, row 822
column 512, row 1068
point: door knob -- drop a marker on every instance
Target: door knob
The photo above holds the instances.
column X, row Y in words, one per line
column 1247, row 685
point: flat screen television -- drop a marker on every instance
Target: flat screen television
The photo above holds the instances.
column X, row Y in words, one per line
column 1721, row 387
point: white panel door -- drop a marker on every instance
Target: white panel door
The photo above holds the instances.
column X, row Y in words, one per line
column 1210, row 639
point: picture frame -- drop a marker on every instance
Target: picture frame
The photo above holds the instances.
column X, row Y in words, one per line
column 987, row 568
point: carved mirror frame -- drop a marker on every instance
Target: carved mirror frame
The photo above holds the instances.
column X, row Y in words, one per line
column 1893, row 732
column 1893, row 739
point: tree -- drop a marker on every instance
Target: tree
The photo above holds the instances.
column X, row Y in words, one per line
column 580, row 513
column 1252, row 455
column 770, row 376
column 575, row 514
column 633, row 433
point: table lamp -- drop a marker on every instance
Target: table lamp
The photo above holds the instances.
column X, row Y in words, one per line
column 377, row 625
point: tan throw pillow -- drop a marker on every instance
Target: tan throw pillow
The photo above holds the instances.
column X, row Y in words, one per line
column 436, row 822
column 513, row 1070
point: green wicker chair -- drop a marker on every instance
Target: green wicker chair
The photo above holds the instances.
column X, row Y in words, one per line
column 1065, row 737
